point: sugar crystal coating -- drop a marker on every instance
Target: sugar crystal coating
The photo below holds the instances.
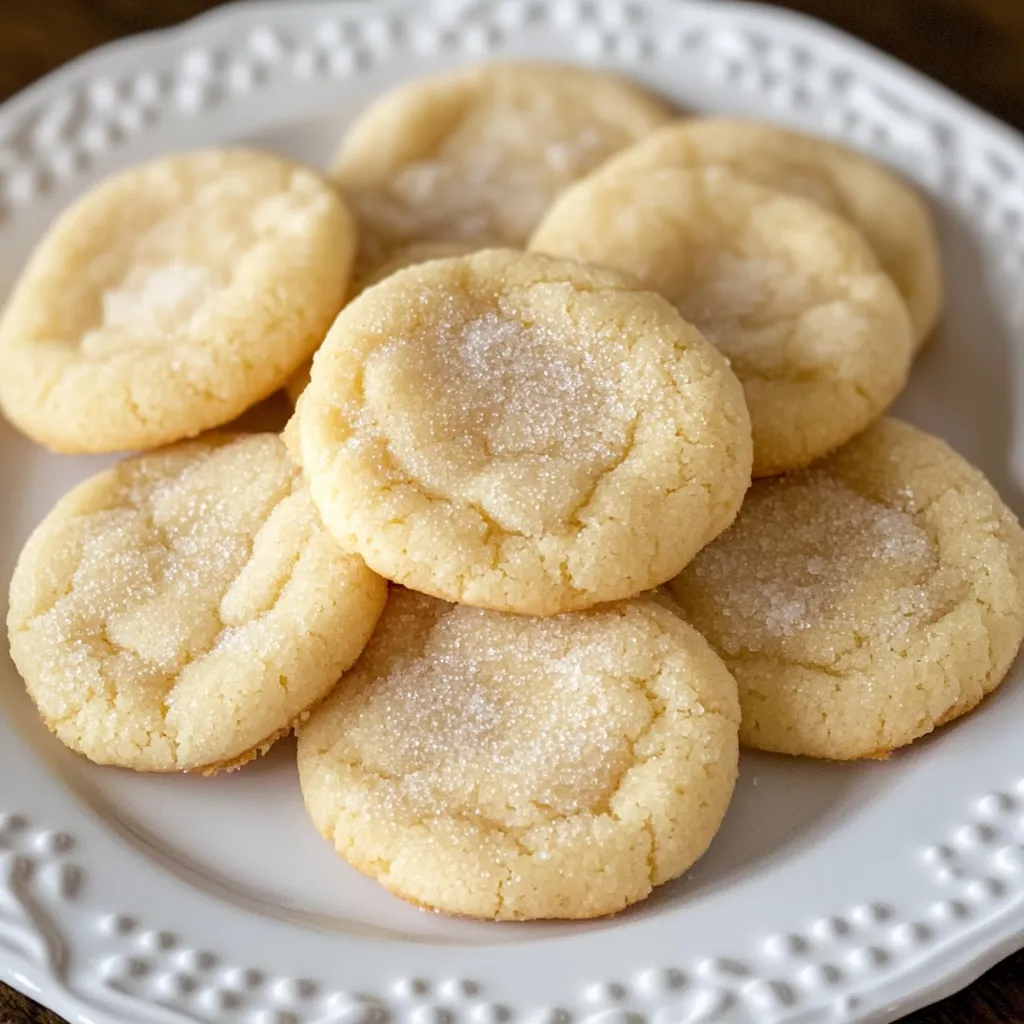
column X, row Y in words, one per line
column 161, row 300
column 492, row 189
column 183, row 608
column 893, row 218
column 864, row 601
column 731, row 293
column 809, row 550
column 477, row 155
column 527, row 737
column 459, row 710
column 521, row 433
column 171, row 298
column 811, row 325
column 498, row 389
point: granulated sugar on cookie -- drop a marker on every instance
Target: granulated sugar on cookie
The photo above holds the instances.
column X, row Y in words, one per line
column 865, row 601
column 172, row 298
column 182, row 610
column 406, row 256
column 521, row 433
column 812, row 326
column 477, row 155
column 557, row 767
column 887, row 210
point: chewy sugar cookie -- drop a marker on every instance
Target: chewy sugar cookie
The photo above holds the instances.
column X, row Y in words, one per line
column 546, row 768
column 406, row 256
column 182, row 610
column 814, row 329
column 521, row 433
column 886, row 209
column 478, row 154
column 865, row 601
column 171, row 298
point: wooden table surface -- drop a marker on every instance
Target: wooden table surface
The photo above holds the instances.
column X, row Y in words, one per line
column 974, row 46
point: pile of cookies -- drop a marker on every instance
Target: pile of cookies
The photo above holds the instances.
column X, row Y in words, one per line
column 558, row 332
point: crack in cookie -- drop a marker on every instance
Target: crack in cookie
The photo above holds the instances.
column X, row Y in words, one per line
column 572, row 762
column 521, row 433
column 793, row 296
column 172, row 298
column 155, row 610
column 864, row 601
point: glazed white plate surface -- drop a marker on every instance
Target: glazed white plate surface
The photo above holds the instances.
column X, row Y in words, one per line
column 835, row 894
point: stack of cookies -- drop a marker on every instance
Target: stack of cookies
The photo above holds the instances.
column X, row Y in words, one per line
column 557, row 335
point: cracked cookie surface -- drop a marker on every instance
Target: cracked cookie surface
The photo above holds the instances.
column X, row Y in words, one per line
column 182, row 610
column 172, row 298
column 521, row 433
column 887, row 210
column 547, row 768
column 478, row 154
column 814, row 329
column 865, row 601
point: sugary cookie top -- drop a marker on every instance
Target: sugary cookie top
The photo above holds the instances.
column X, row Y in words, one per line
column 893, row 218
column 514, row 413
column 171, row 298
column 811, row 564
column 161, row 614
column 478, row 154
column 792, row 295
column 506, row 410
column 516, row 719
column 865, row 600
column 405, row 256
column 526, row 746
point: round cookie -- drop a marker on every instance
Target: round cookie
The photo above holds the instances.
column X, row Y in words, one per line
column 171, row 298
column 521, row 433
column 182, row 610
column 547, row 768
column 814, row 329
column 881, row 205
column 865, row 601
column 478, row 154
column 406, row 256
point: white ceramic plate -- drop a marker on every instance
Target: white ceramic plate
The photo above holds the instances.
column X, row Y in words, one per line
column 835, row 894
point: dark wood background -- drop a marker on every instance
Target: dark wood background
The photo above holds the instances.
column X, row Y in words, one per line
column 974, row 46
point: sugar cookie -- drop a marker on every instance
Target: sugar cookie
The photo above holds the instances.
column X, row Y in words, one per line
column 478, row 154
column 172, row 298
column 182, row 610
column 886, row 209
column 813, row 328
column 406, row 256
column 522, row 433
column 506, row 767
column 864, row 601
